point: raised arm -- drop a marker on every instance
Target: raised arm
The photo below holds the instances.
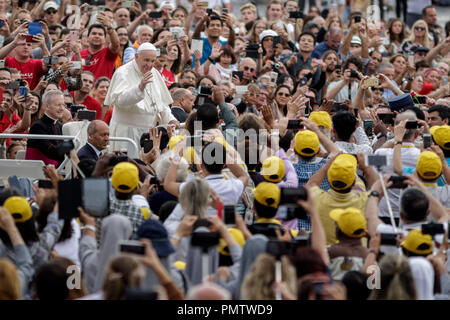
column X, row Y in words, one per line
column 199, row 27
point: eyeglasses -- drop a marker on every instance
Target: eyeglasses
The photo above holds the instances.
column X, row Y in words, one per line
column 122, row 34
column 88, row 62
column 248, row 68
column 51, row 12
column 419, row 28
column 254, row 94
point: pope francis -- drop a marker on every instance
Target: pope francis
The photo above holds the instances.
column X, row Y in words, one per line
column 140, row 98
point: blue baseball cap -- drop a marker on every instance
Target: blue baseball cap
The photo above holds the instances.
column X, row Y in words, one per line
column 155, row 231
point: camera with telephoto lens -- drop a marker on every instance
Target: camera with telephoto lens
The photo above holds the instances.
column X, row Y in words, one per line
column 354, row 74
column 288, row 208
column 204, row 239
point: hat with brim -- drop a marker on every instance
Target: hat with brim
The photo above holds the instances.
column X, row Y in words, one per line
column 441, row 135
column 155, row 231
column 273, row 169
column 418, row 243
column 267, row 33
column 342, row 172
column 429, row 165
column 19, row 208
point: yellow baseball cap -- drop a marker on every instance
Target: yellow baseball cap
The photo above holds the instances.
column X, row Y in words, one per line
column 441, row 135
column 267, row 194
column 237, row 235
column 342, row 172
column 180, row 265
column 351, row 221
column 19, row 208
column 273, row 169
column 125, row 177
column 418, row 243
column 429, row 165
column 321, row 118
column 174, row 140
column 306, row 143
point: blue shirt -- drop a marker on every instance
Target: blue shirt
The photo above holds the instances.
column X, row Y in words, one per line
column 321, row 48
column 305, row 169
column 207, row 48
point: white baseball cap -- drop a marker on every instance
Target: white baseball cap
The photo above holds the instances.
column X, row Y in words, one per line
column 267, row 33
column 51, row 4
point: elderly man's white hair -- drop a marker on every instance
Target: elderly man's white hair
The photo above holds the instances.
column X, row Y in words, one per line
column 444, row 102
column 49, row 94
column 163, row 165
column 142, row 27
column 208, row 291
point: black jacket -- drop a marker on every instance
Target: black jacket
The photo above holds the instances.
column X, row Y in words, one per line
column 87, row 152
column 45, row 125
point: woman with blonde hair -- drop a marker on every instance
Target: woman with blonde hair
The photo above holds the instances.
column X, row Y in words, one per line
column 258, row 27
column 259, row 284
column 397, row 281
column 418, row 38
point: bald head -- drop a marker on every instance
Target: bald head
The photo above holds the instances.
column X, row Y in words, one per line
column 208, row 291
column 183, row 98
column 98, row 134
column 178, row 95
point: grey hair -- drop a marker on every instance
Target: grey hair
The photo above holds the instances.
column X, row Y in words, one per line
column 335, row 31
column 409, row 115
column 385, row 65
column 194, row 198
column 142, row 27
column 207, row 288
column 49, row 94
column 179, row 93
column 162, row 168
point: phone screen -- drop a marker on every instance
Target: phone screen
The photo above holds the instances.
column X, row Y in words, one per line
column 69, row 198
column 96, row 196
column 229, row 217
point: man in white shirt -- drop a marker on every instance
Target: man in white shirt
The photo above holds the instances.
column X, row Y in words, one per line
column 140, row 98
column 409, row 159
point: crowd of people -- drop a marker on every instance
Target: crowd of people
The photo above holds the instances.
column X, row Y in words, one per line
column 289, row 154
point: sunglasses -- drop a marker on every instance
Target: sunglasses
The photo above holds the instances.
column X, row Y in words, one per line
column 419, row 28
column 51, row 12
column 248, row 68
column 283, row 94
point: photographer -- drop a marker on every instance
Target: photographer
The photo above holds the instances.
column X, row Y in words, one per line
column 347, row 88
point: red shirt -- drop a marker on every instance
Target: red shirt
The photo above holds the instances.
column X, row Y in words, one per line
column 91, row 104
column 168, row 77
column 108, row 115
column 31, row 71
column 101, row 64
column 426, row 88
column 5, row 122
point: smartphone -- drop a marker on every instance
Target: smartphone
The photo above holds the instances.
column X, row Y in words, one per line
column 155, row 14
column 229, row 217
column 48, row 60
column 45, row 184
column 2, row 23
column 209, row 11
column 411, row 124
column 127, row 4
column 76, row 65
column 398, row 182
column 296, row 15
column 205, row 91
column 386, row 118
column 356, row 112
column 75, row 108
column 2, row 63
column 375, row 161
column 371, row 82
column 225, row 10
column 95, row 196
column 131, row 246
column 432, row 228
column 239, row 74
column 277, row 248
column 86, row 115
column 427, row 140
column 251, row 54
column 295, row 124
column 29, row 38
column 276, row 41
column 421, row 99
column 368, row 126
column 34, row 28
column 388, row 239
column 204, row 239
column 23, row 91
column 357, row 19
column 69, row 198
column 73, row 35
column 444, row 80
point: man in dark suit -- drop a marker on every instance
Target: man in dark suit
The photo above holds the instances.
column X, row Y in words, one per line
column 183, row 102
column 48, row 151
column 98, row 140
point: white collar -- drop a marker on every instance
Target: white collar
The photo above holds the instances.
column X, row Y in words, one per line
column 95, row 149
column 56, row 120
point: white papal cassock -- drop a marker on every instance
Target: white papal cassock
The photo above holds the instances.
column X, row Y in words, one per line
column 136, row 111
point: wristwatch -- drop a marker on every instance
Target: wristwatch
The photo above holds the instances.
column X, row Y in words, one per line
column 381, row 134
column 374, row 194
